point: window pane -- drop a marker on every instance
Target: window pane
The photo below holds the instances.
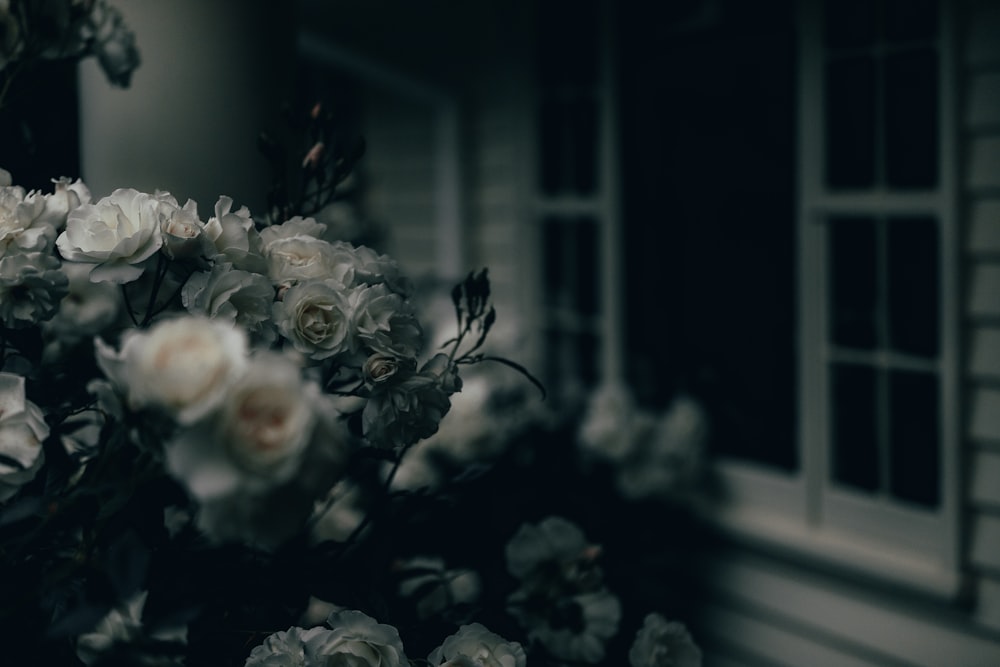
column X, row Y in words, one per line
column 849, row 23
column 571, row 364
column 570, row 260
column 913, row 276
column 853, row 282
column 568, row 145
column 587, row 351
column 555, row 144
column 567, row 42
column 850, row 118
column 587, row 263
column 911, row 119
column 907, row 20
column 583, row 116
column 557, row 248
column 855, row 456
column 914, row 438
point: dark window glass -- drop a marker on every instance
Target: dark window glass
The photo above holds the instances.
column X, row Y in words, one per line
column 855, row 456
column 558, row 366
column 849, row 23
column 709, row 240
column 587, row 351
column 571, row 363
column 907, row 20
column 853, row 282
column 567, row 42
column 914, row 437
column 913, row 290
column 850, row 117
column 568, row 145
column 911, row 119
column 587, row 266
column 555, row 144
column 570, row 247
column 556, row 253
column 583, row 117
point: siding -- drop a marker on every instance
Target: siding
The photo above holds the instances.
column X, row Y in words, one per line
column 501, row 233
column 980, row 134
column 399, row 170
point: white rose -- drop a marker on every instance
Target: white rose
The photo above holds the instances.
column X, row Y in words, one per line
column 183, row 236
column 268, row 453
column 355, row 640
column 87, row 309
column 663, row 644
column 66, row 196
column 317, row 317
column 480, row 647
column 235, row 237
column 296, row 227
column 408, row 409
column 300, row 258
column 605, row 429
column 668, row 457
column 384, row 369
column 370, row 268
column 116, row 234
column 22, row 430
column 31, row 287
column 230, row 295
column 23, row 227
column 184, row 365
column 386, row 323
column 284, row 649
column 358, row 640
column 258, row 436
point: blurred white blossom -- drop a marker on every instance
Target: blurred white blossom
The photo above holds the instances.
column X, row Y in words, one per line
column 184, row 365
column 123, row 625
column 22, row 430
column 474, row 645
column 660, row 643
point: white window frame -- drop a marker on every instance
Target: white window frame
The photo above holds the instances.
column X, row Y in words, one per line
column 603, row 206
column 801, row 513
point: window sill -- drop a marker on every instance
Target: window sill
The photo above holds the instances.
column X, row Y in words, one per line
column 836, row 552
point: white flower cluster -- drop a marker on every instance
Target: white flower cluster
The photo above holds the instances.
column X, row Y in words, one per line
column 62, row 29
column 654, row 455
column 354, row 638
column 234, row 334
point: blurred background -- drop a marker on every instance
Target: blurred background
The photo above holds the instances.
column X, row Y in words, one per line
column 787, row 210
